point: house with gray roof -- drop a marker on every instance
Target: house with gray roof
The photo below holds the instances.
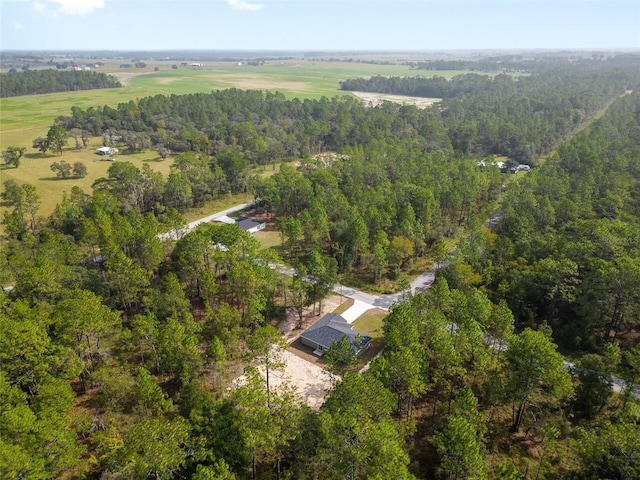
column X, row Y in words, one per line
column 250, row 225
column 331, row 328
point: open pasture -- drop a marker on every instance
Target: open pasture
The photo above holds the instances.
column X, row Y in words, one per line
column 299, row 78
column 35, row 169
column 25, row 118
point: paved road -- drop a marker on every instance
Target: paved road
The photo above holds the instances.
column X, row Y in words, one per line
column 177, row 233
column 364, row 301
column 422, row 282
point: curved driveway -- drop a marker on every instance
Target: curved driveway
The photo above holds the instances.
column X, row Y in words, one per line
column 364, row 301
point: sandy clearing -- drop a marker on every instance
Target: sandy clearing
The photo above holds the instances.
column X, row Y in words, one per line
column 307, row 376
column 375, row 99
column 310, row 381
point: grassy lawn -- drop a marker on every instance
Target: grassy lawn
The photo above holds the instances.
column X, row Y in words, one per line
column 268, row 239
column 370, row 323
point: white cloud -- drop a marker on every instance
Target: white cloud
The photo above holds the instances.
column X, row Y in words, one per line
column 40, row 7
column 18, row 26
column 78, row 7
column 242, row 5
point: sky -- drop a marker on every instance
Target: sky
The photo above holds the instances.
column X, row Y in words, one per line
column 312, row 25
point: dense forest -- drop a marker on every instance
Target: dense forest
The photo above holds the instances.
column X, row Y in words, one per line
column 118, row 344
column 519, row 117
column 568, row 245
column 32, row 82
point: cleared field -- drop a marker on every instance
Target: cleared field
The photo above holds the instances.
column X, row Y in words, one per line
column 374, row 99
column 302, row 79
column 35, row 170
column 25, row 118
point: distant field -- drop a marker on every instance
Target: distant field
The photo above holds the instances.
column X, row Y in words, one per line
column 24, row 118
column 301, row 79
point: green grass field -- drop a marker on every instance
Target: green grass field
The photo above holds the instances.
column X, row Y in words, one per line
column 25, row 118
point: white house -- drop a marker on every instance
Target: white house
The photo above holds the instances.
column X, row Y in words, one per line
column 106, row 150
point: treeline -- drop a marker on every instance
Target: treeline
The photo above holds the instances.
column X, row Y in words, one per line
column 259, row 126
column 32, row 82
column 418, row 86
column 348, row 205
column 373, row 216
column 530, row 62
column 521, row 118
column 485, row 65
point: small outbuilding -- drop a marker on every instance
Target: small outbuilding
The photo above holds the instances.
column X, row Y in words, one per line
column 106, row 150
column 332, row 328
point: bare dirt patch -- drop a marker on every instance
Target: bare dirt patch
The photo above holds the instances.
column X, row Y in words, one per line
column 310, row 380
column 375, row 99
column 303, row 371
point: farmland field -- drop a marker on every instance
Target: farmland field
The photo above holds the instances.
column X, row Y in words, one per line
column 25, row 118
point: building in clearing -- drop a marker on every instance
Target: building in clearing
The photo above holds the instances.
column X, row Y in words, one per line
column 250, row 225
column 106, row 150
column 331, row 328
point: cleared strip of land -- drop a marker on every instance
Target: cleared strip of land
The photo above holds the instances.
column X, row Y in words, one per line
column 375, row 99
